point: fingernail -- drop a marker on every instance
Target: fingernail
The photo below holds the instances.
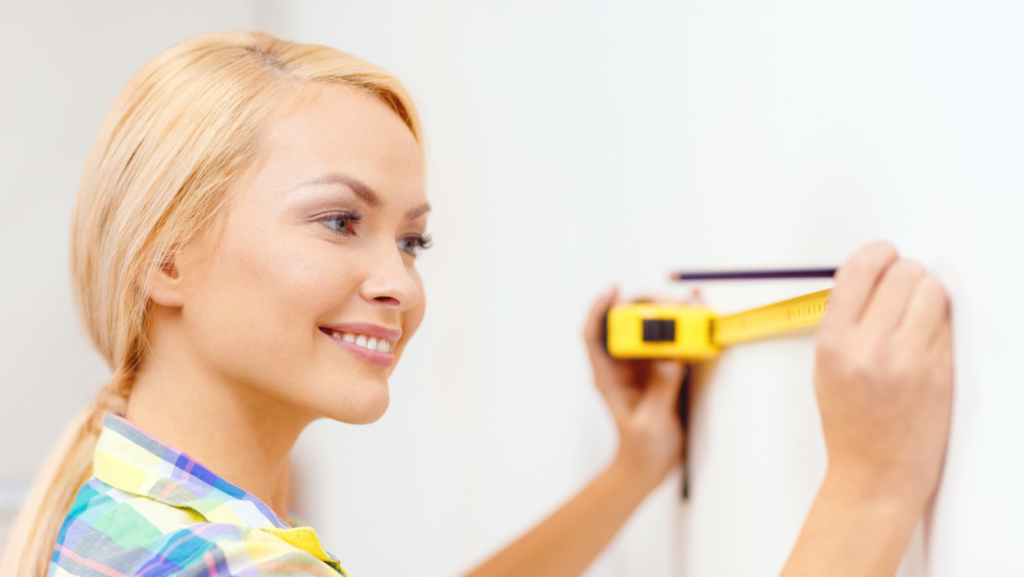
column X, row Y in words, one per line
column 666, row 368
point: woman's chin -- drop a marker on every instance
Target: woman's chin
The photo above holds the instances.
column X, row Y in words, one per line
column 362, row 410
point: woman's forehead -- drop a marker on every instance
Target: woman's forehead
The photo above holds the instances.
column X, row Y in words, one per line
column 344, row 137
column 342, row 113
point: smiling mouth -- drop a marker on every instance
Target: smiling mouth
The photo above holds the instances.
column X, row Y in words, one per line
column 369, row 343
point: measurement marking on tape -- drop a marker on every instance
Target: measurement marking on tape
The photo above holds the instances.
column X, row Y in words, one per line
column 799, row 312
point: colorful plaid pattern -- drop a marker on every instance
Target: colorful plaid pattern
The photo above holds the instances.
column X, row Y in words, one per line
column 151, row 510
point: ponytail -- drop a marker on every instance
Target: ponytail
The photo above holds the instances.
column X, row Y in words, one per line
column 30, row 542
column 186, row 126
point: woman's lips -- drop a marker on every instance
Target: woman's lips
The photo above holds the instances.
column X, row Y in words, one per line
column 359, row 345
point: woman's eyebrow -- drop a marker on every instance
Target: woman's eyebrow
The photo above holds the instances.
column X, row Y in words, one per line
column 418, row 211
column 363, row 191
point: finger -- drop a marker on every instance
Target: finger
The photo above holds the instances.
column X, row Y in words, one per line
column 621, row 377
column 666, row 379
column 941, row 356
column 856, row 280
column 696, row 298
column 943, row 337
column 886, row 306
column 593, row 331
column 927, row 312
column 621, row 383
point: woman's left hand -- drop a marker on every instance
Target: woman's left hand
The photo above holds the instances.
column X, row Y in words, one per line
column 642, row 396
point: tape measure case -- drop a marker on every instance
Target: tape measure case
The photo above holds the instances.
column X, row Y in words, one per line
column 660, row 331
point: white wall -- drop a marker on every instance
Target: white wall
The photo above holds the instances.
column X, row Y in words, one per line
column 576, row 143
column 572, row 144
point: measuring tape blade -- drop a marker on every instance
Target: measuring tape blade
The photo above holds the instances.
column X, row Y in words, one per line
column 795, row 313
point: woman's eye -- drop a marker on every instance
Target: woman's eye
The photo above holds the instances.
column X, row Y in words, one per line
column 412, row 244
column 341, row 222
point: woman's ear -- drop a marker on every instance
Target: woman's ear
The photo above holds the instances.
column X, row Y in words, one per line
column 164, row 284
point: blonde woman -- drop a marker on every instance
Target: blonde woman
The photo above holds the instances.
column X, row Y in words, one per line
column 244, row 257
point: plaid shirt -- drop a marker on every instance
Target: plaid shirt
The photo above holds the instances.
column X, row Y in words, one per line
column 151, row 510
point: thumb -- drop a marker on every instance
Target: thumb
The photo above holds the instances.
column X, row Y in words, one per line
column 665, row 382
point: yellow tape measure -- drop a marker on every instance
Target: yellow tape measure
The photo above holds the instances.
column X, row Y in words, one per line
column 690, row 333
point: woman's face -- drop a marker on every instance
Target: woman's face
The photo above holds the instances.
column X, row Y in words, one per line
column 308, row 291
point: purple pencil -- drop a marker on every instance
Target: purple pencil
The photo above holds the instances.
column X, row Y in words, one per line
column 755, row 274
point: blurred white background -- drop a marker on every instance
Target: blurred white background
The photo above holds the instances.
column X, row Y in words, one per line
column 571, row 145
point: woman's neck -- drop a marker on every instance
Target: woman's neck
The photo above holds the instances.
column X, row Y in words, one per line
column 240, row 434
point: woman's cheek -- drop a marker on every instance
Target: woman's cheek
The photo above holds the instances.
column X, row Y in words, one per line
column 308, row 281
column 274, row 288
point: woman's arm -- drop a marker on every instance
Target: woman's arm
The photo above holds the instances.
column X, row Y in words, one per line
column 642, row 397
column 570, row 539
column 884, row 379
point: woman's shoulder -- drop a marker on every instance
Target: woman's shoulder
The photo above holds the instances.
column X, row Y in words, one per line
column 109, row 531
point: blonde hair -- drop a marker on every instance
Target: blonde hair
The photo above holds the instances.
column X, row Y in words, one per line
column 186, row 126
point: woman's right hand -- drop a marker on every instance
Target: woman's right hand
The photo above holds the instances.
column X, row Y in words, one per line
column 884, row 377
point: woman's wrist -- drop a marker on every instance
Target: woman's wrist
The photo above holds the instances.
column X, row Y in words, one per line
column 858, row 485
column 634, row 475
column 899, row 504
column 854, row 529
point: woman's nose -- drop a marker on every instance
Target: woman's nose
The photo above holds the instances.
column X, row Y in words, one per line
column 390, row 282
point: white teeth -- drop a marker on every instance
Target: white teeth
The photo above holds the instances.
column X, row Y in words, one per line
column 371, row 343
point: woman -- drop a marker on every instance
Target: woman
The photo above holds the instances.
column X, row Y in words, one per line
column 244, row 249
